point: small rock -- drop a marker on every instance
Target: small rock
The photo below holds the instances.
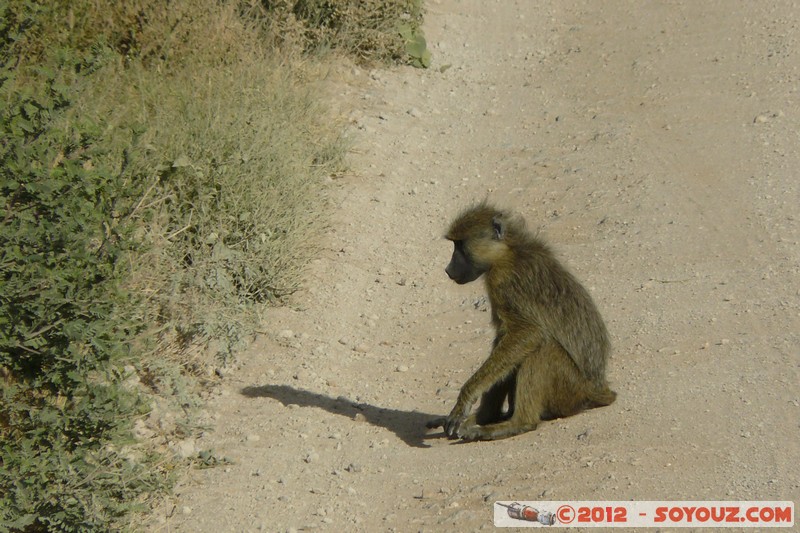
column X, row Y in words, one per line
column 185, row 448
column 414, row 112
column 319, row 350
column 285, row 334
column 361, row 348
column 401, row 368
column 252, row 437
column 311, row 457
column 354, row 467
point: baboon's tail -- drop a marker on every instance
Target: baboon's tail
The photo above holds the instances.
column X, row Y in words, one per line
column 601, row 396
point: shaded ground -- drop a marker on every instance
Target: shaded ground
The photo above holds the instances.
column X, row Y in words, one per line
column 655, row 145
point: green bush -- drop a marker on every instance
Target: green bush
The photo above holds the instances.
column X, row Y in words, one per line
column 64, row 320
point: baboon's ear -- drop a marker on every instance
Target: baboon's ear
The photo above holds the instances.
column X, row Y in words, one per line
column 499, row 227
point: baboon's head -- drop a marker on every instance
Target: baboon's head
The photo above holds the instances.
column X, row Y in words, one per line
column 480, row 236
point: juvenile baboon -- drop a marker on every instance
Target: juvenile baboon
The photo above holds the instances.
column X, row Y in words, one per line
column 550, row 349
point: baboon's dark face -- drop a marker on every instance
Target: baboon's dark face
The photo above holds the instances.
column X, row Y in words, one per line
column 462, row 269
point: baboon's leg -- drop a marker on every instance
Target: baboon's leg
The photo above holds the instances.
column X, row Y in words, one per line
column 492, row 401
column 529, row 393
column 508, row 354
column 491, row 405
column 549, row 385
column 570, row 391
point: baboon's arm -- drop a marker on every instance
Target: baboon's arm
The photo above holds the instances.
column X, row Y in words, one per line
column 508, row 353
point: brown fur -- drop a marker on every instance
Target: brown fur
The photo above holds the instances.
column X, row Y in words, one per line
column 551, row 345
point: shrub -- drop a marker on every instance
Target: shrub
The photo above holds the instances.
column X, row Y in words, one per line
column 370, row 30
column 64, row 320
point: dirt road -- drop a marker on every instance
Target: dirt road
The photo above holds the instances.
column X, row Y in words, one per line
column 655, row 145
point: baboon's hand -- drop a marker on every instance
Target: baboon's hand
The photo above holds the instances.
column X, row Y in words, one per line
column 455, row 420
column 467, row 430
column 450, row 424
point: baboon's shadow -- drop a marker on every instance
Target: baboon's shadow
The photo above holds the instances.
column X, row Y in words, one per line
column 408, row 425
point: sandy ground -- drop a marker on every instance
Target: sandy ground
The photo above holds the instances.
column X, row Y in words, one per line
column 655, row 146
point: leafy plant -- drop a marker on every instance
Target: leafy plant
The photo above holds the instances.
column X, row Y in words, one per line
column 416, row 46
column 64, row 320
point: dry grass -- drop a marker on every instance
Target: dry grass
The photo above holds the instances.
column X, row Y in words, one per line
column 369, row 30
column 235, row 148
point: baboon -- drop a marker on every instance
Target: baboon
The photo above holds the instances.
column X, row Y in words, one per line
column 548, row 359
